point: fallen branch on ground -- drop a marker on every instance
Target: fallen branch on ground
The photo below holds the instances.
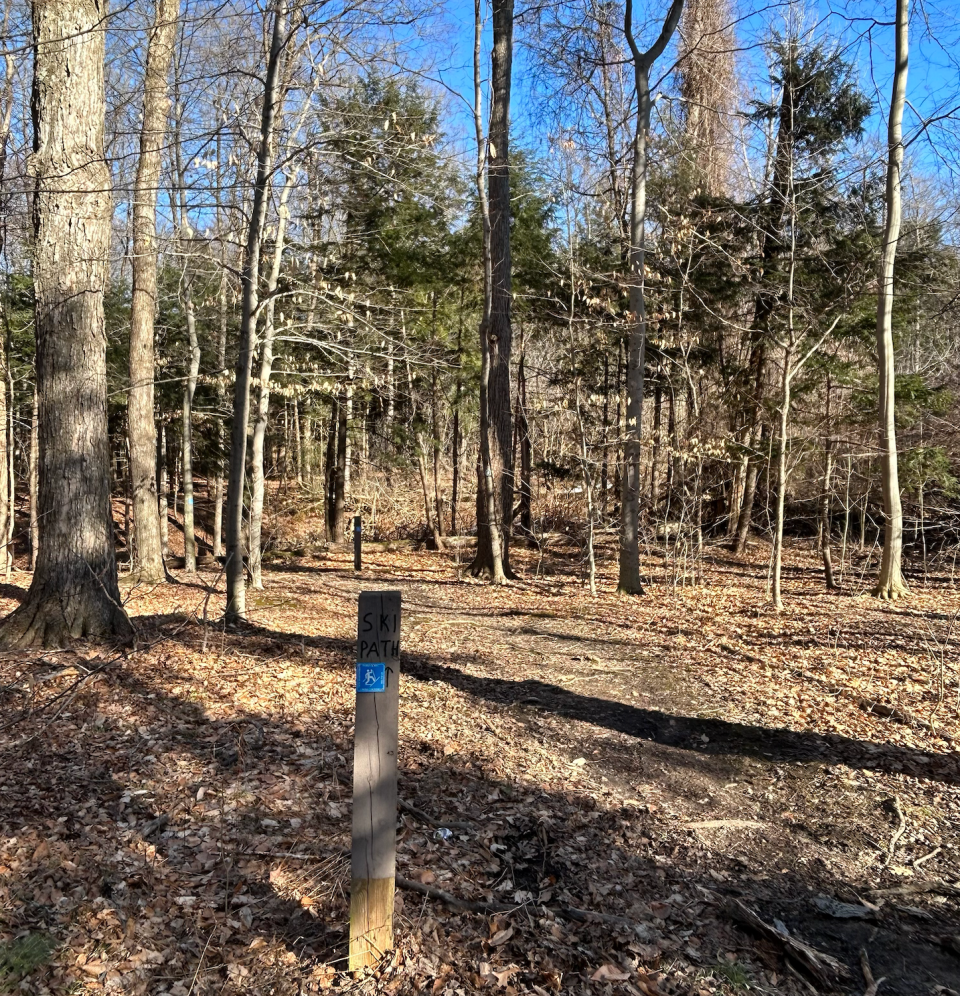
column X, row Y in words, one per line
column 823, row 967
column 427, row 818
column 872, row 984
column 916, row 888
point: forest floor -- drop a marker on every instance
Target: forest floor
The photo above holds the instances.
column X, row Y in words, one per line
column 174, row 818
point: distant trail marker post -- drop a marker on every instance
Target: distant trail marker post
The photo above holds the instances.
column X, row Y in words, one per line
column 357, row 539
column 374, row 844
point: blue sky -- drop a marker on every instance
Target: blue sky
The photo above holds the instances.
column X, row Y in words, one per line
column 863, row 28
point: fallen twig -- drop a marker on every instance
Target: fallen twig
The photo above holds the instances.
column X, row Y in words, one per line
column 916, row 888
column 458, row 904
column 919, row 861
column 897, row 834
column 427, row 818
column 823, row 967
column 872, row 984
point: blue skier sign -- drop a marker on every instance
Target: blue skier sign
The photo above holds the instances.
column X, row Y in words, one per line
column 371, row 677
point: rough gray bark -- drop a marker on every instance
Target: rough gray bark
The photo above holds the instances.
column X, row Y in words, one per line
column 250, row 280
column 74, row 592
column 141, row 424
column 629, row 575
column 890, row 583
column 496, row 437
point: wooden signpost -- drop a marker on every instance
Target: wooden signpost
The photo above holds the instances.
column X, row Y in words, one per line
column 357, row 540
column 374, row 845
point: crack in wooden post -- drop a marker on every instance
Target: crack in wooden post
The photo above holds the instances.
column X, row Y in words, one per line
column 374, row 842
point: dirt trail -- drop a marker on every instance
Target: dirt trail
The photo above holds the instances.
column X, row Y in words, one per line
column 650, row 760
column 794, row 823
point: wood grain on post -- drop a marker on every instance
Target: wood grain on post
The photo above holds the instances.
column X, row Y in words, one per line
column 374, row 845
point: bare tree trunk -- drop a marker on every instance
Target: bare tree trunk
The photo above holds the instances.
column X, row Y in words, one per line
column 457, row 394
column 526, row 455
column 7, row 505
column 74, row 592
column 10, row 432
column 306, row 448
column 825, row 524
column 164, row 504
column 236, row 593
column 34, row 471
column 221, row 395
column 329, row 467
column 657, row 444
column 890, row 583
column 435, row 431
column 337, row 518
column 297, row 443
column 348, row 436
column 432, row 529
column 391, row 393
column 189, row 389
column 777, row 552
column 629, row 575
column 141, row 424
column 257, row 469
column 496, row 438
column 605, row 440
column 587, row 479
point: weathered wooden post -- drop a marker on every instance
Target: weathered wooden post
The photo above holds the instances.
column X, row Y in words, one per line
column 374, row 845
column 357, row 539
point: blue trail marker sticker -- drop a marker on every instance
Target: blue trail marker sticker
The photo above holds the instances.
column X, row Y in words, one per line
column 371, row 677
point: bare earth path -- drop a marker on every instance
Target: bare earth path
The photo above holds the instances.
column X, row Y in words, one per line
column 650, row 760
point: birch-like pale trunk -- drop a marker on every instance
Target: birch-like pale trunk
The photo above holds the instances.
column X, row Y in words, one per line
column 890, row 584
column 262, row 420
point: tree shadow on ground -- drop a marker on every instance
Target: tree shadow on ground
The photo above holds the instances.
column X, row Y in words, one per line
column 701, row 735
column 239, row 871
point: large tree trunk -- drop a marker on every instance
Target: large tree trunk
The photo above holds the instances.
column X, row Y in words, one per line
column 141, row 423
column 236, row 591
column 74, row 591
column 890, row 583
column 629, row 575
column 496, row 437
